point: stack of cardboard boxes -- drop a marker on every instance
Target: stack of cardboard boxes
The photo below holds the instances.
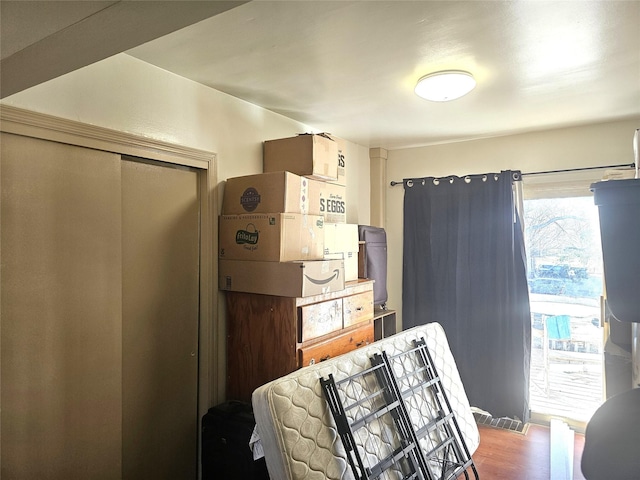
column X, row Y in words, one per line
column 284, row 232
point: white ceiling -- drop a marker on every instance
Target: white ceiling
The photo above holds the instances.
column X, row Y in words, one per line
column 349, row 68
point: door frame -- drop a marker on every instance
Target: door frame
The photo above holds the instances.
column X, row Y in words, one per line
column 47, row 127
column 566, row 185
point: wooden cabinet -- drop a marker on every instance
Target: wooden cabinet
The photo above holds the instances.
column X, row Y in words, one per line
column 270, row 336
column 344, row 342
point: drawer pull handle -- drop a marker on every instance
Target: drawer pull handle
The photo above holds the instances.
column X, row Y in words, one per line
column 359, row 309
column 360, row 343
column 326, row 357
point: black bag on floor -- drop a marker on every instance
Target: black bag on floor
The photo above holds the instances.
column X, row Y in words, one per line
column 226, row 431
column 375, row 260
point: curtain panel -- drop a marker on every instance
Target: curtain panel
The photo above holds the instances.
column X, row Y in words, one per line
column 464, row 267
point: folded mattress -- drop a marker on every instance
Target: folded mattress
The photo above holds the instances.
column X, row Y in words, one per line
column 295, row 425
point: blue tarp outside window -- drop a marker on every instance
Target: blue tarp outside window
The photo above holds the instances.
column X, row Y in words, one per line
column 559, row 327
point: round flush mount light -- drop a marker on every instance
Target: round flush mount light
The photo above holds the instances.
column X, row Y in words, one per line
column 445, row 86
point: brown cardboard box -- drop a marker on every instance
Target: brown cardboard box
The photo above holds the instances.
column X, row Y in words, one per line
column 310, row 155
column 284, row 192
column 330, row 200
column 342, row 161
column 274, row 237
column 340, row 237
column 284, row 279
column 268, row 193
column 341, row 241
column 350, row 260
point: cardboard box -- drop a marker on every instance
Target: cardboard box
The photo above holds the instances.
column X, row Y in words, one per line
column 340, row 237
column 273, row 237
column 329, row 200
column 268, row 193
column 284, row 279
column 350, row 260
column 310, row 155
column 342, row 161
column 341, row 242
column 284, row 192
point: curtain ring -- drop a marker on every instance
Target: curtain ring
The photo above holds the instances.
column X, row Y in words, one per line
column 467, row 179
column 496, row 177
column 516, row 176
column 451, row 180
column 436, row 181
column 409, row 183
column 423, row 182
column 484, row 178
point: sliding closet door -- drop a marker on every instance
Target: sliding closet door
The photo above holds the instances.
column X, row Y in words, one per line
column 160, row 284
column 98, row 315
column 60, row 311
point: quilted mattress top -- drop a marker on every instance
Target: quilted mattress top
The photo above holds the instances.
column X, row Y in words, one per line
column 296, row 427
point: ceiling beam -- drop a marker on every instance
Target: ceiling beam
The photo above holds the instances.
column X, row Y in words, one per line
column 115, row 29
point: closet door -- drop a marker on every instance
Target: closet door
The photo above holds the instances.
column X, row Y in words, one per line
column 98, row 315
column 60, row 311
column 160, row 284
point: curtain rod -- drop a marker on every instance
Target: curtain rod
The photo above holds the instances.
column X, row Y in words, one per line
column 393, row 183
column 632, row 165
column 515, row 174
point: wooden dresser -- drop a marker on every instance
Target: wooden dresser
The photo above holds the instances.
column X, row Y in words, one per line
column 270, row 336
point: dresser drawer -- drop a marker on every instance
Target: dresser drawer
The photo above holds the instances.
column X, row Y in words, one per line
column 319, row 319
column 357, row 308
column 341, row 343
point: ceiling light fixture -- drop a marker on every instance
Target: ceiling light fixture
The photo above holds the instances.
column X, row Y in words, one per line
column 445, row 86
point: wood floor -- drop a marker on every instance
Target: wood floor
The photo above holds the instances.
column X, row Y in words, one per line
column 507, row 455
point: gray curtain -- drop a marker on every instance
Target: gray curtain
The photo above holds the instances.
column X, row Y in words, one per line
column 464, row 267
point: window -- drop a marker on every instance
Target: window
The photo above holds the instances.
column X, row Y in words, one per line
column 565, row 286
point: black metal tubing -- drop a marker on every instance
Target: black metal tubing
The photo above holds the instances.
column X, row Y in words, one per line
column 426, row 355
column 455, row 458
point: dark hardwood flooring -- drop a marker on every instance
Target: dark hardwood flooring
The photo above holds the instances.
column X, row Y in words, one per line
column 507, row 455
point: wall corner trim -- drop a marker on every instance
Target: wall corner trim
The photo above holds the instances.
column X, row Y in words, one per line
column 378, row 153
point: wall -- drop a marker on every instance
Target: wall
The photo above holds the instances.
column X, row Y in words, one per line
column 590, row 145
column 126, row 94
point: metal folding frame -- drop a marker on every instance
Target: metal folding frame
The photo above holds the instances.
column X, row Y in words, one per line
column 375, row 432
column 395, row 420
